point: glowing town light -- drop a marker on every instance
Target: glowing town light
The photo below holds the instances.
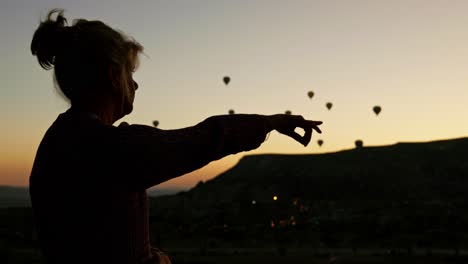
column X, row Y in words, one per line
column 275, row 198
column 296, row 202
column 254, row 202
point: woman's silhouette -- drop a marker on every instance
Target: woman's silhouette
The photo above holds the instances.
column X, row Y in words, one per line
column 89, row 178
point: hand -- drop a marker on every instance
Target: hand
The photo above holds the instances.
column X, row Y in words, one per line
column 286, row 124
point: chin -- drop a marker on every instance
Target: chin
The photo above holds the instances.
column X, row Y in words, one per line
column 128, row 109
column 125, row 111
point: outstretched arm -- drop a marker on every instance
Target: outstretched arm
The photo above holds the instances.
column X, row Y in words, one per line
column 153, row 155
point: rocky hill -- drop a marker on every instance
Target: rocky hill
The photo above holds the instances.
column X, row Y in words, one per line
column 406, row 195
column 435, row 170
column 12, row 196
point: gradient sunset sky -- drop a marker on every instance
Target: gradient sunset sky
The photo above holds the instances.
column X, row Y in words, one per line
column 408, row 56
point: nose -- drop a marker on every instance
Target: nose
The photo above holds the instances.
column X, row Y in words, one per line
column 135, row 84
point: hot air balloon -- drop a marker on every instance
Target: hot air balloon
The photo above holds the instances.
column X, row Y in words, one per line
column 231, row 112
column 377, row 109
column 226, row 80
column 310, row 94
column 287, row 112
column 329, row 105
column 155, row 123
column 320, row 142
column 358, row 143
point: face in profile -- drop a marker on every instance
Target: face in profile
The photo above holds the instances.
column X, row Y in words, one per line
column 129, row 96
column 129, row 87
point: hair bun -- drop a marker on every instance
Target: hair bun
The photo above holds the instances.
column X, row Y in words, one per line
column 49, row 38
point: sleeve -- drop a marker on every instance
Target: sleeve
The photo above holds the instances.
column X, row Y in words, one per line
column 148, row 156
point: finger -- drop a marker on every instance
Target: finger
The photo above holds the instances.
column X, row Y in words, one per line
column 295, row 136
column 304, row 140
column 307, row 137
column 312, row 124
column 316, row 128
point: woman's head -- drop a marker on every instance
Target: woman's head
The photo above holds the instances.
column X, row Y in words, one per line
column 92, row 62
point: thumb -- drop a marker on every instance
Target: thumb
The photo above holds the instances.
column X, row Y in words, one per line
column 304, row 140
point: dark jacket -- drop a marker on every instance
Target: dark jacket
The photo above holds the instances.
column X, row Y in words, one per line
column 88, row 182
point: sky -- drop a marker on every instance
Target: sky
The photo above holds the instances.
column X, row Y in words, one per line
column 408, row 56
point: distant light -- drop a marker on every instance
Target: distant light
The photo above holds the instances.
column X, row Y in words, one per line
column 254, row 202
column 283, row 223
column 275, row 198
column 296, row 201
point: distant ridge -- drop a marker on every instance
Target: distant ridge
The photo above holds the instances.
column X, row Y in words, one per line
column 156, row 191
column 14, row 196
column 405, row 157
column 431, row 170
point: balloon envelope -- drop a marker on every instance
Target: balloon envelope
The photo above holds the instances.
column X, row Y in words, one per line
column 155, row 123
column 358, row 143
column 310, row 94
column 329, row 105
column 226, row 80
column 320, row 142
column 377, row 109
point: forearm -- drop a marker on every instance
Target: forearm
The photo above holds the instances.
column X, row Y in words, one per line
column 159, row 155
column 212, row 139
column 240, row 132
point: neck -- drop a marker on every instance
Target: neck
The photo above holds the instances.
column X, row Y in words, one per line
column 103, row 111
column 106, row 117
